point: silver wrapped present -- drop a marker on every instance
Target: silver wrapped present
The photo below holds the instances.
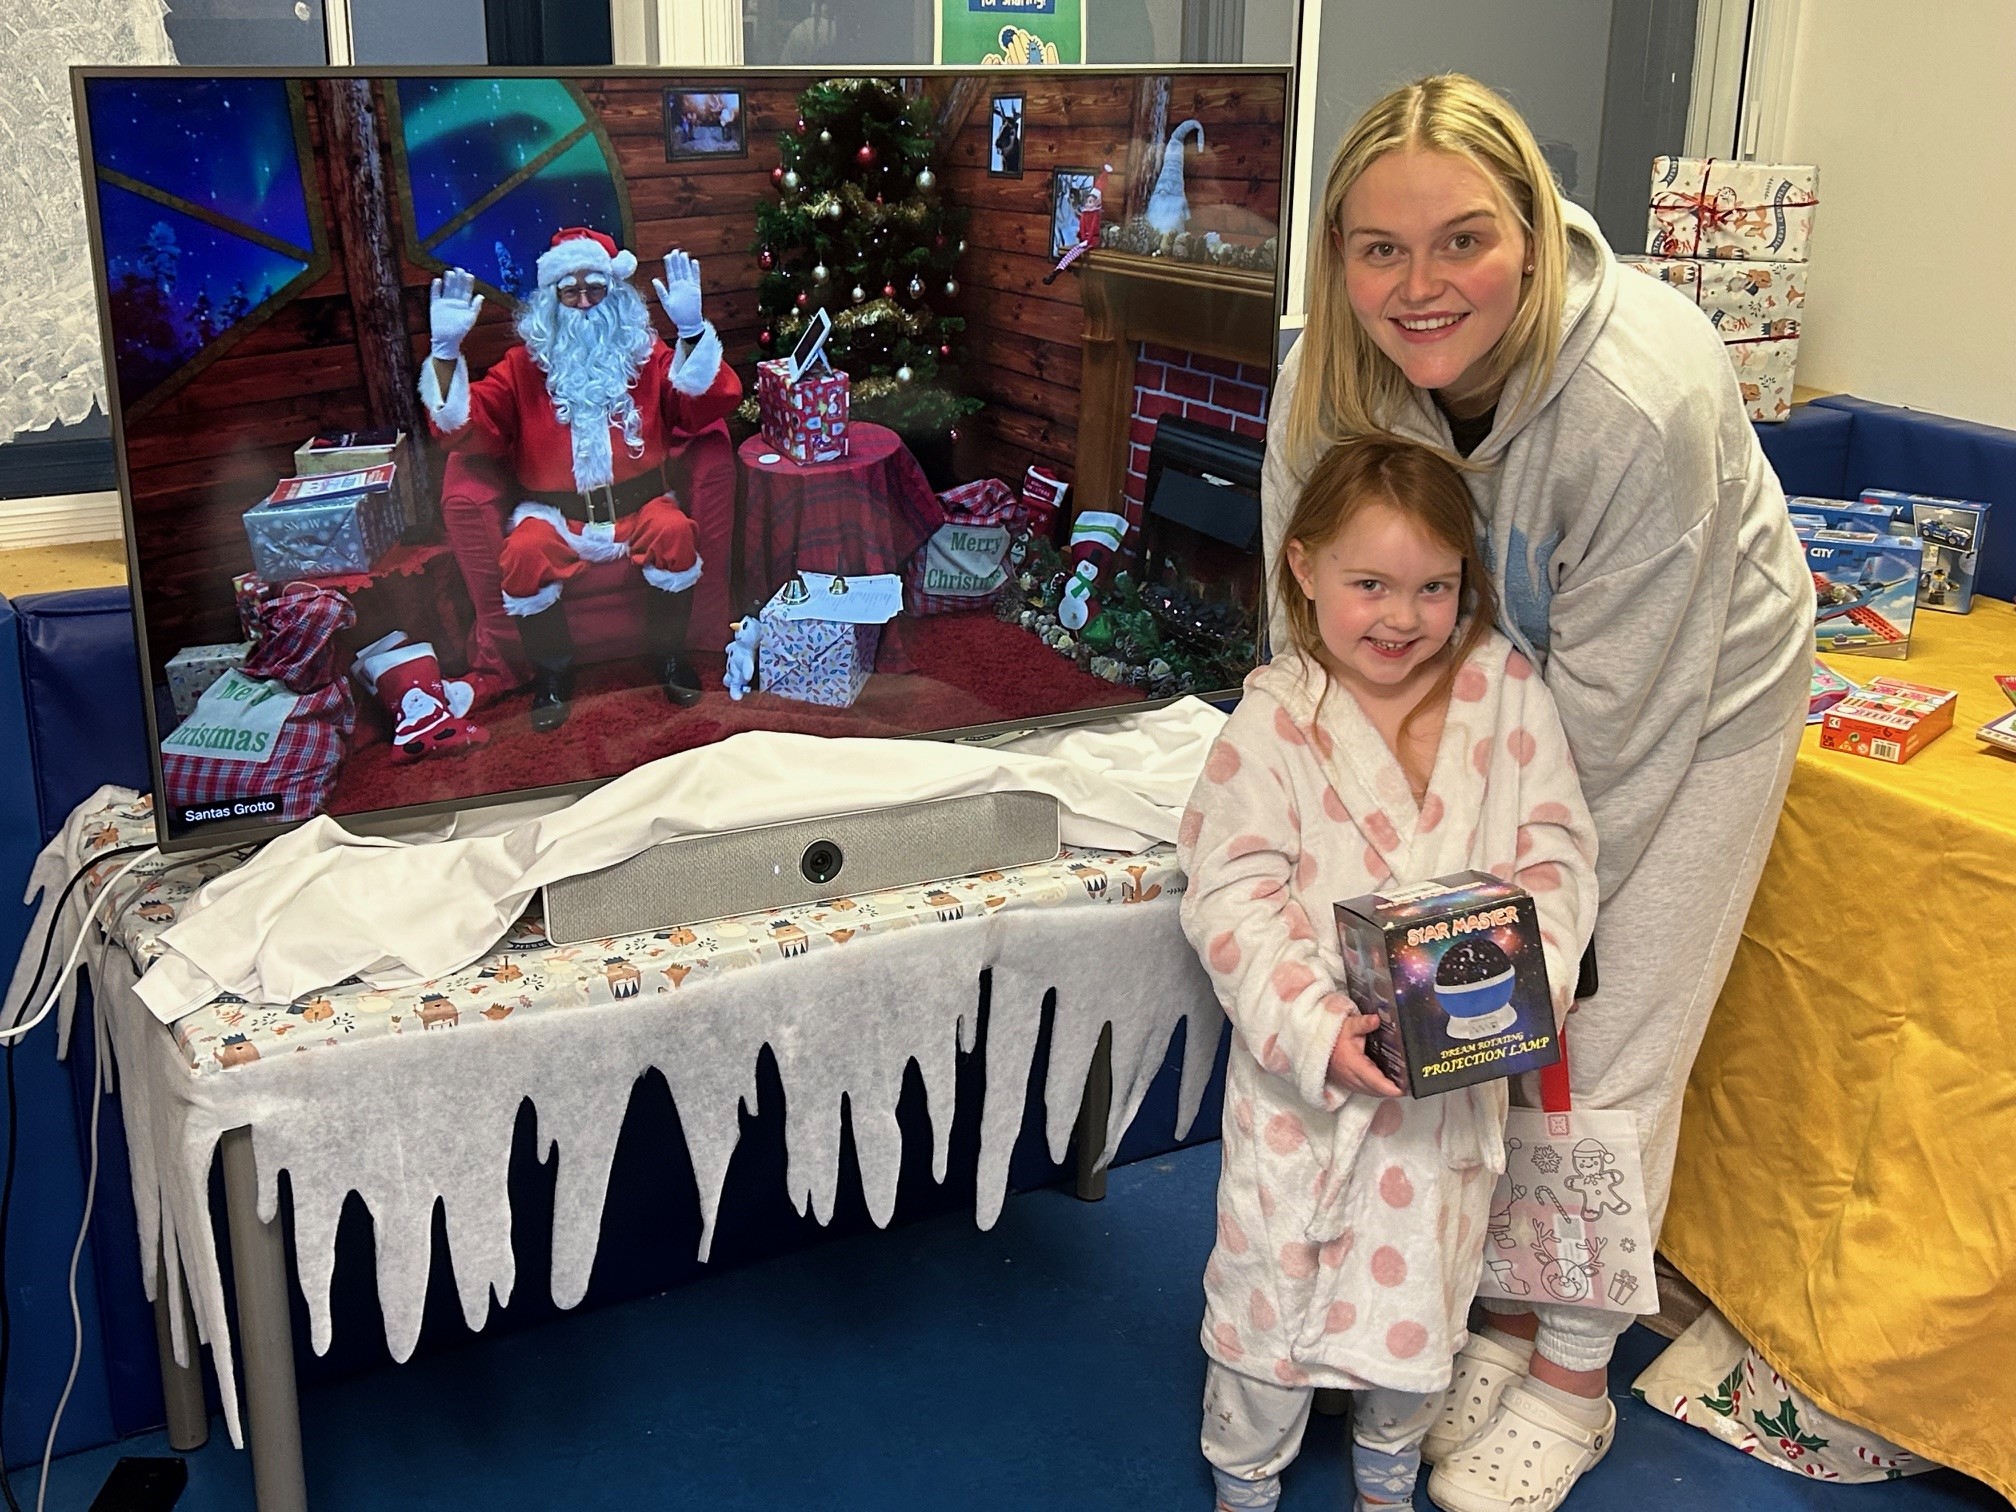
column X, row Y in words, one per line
column 324, row 526
column 193, row 669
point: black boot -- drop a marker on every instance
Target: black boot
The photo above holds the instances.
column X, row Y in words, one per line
column 550, row 646
column 666, row 618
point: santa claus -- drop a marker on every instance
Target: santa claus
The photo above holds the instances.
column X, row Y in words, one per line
column 584, row 412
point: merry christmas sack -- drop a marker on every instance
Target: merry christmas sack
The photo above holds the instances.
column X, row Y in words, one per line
column 963, row 565
column 267, row 739
column 1568, row 1222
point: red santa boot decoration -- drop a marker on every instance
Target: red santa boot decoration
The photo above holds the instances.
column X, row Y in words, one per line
column 1096, row 538
column 429, row 716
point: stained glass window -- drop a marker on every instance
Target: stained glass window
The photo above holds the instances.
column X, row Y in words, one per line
column 205, row 214
column 493, row 167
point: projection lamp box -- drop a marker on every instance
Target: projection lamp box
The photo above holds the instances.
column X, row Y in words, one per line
column 1455, row 971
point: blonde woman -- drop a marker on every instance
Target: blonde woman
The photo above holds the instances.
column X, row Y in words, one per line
column 1642, row 557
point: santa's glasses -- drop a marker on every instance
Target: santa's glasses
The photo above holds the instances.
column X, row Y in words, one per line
column 582, row 293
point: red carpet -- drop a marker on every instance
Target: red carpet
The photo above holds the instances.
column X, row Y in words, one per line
column 971, row 669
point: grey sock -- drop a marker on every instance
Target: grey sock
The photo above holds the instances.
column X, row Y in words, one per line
column 1590, row 1412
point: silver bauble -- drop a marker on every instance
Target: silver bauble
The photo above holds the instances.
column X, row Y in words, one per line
column 859, row 293
column 833, row 210
column 916, row 287
column 903, row 375
column 951, row 288
column 825, row 135
column 790, row 178
column 819, row 273
column 926, row 178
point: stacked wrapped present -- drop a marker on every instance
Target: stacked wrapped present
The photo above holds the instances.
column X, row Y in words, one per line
column 1734, row 237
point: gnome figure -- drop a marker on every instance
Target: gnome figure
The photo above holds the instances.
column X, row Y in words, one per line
column 429, row 714
column 1168, row 209
column 1096, row 539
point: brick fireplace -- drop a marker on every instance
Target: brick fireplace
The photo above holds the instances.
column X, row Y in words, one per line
column 1209, row 390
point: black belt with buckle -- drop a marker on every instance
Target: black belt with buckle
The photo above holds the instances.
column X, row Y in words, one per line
column 605, row 505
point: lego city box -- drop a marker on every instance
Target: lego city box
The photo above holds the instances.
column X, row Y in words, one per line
column 1865, row 589
column 1952, row 530
column 1455, row 971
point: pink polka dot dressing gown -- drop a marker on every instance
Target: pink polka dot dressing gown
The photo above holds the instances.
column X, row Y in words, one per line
column 1350, row 1228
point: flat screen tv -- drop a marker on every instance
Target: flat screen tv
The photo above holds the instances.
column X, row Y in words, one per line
column 487, row 435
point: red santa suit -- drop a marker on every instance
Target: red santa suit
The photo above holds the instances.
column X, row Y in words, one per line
column 509, row 415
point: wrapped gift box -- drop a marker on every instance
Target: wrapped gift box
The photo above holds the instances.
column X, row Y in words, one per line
column 358, row 451
column 805, row 419
column 820, row 635
column 1756, row 308
column 193, row 669
column 1752, row 212
column 250, row 593
column 323, row 526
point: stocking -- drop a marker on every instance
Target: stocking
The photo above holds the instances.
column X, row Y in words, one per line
column 429, row 716
column 1095, row 542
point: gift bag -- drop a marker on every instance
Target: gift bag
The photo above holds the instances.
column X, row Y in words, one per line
column 267, row 739
column 1568, row 1222
column 962, row 564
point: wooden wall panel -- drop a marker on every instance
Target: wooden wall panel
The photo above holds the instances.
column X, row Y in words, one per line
column 1023, row 351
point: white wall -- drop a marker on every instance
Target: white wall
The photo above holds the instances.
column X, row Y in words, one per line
column 1910, row 112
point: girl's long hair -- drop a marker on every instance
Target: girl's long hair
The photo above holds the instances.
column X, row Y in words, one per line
column 1421, row 484
column 1348, row 387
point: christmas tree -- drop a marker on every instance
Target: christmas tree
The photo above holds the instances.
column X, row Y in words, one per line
column 861, row 231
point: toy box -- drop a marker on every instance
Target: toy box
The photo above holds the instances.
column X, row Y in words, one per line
column 1952, row 530
column 1455, row 972
column 1828, row 688
column 820, row 635
column 1846, row 514
column 1865, row 588
column 1712, row 207
column 2000, row 734
column 324, row 526
column 1890, row 720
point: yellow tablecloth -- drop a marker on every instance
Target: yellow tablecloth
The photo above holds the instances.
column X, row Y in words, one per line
column 1846, row 1187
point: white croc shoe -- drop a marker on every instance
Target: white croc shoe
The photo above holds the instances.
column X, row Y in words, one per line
column 1484, row 1368
column 1527, row 1460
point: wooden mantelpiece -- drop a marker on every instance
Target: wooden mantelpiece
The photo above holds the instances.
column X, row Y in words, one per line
column 1199, row 307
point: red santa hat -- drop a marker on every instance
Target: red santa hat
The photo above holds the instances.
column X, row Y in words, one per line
column 576, row 249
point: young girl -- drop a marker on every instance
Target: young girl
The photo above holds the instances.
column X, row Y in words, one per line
column 1399, row 739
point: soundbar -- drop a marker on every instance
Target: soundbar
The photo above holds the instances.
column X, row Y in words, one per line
column 716, row 876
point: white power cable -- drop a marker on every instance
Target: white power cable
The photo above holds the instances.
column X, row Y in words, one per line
column 76, row 950
column 100, row 1050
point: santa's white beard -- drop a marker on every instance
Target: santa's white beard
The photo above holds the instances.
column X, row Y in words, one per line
column 591, row 357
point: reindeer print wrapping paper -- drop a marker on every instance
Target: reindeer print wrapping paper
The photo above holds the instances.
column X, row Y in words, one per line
column 1351, row 1228
column 419, row 1111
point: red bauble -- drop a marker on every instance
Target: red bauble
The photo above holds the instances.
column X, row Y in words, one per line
column 766, row 338
column 866, row 155
column 804, row 300
column 944, row 354
column 777, row 177
column 889, row 291
column 766, row 259
column 801, row 126
column 936, row 241
column 952, row 434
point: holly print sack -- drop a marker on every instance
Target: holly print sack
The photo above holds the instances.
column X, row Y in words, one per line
column 1568, row 1222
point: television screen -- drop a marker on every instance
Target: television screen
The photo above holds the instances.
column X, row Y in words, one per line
column 484, row 435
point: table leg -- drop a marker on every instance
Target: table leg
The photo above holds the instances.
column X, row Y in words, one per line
column 181, row 1385
column 1092, row 1115
column 265, row 1337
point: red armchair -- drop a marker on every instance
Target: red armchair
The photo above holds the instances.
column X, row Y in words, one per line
column 605, row 603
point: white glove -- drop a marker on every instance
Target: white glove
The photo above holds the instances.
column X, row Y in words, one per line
column 452, row 308
column 679, row 294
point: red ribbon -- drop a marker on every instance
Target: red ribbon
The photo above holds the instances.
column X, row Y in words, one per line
column 1709, row 215
column 1554, row 1094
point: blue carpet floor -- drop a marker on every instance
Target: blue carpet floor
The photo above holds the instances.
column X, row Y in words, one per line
column 1050, row 1364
